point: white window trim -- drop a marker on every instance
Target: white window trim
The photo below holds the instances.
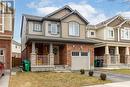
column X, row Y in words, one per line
column 70, row 31
column 109, row 35
column 34, row 26
column 124, row 31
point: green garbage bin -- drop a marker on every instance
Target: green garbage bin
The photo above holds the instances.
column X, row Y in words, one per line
column 26, row 65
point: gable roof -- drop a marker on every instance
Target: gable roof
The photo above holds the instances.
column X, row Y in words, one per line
column 77, row 13
column 106, row 22
column 65, row 7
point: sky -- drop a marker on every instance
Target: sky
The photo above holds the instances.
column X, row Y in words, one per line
column 94, row 11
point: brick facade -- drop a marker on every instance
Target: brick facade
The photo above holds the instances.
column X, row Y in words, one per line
column 6, row 45
column 79, row 47
column 65, row 52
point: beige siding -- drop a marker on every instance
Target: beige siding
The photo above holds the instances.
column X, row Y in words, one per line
column 65, row 27
column 30, row 24
column 65, row 31
column 8, row 22
column 100, row 33
column 73, row 18
column 60, row 14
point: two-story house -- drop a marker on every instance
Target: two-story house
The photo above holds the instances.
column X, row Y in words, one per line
column 57, row 41
column 6, row 34
column 114, row 37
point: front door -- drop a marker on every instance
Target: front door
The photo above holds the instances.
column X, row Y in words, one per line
column 56, row 55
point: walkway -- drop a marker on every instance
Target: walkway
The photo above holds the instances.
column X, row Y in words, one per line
column 4, row 81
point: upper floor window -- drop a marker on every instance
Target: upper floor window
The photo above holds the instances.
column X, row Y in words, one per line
column 73, row 28
column 111, row 33
column 125, row 33
column 53, row 28
column 37, row 27
column 92, row 33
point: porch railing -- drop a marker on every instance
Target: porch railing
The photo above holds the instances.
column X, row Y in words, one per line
column 42, row 60
column 1, row 58
column 103, row 60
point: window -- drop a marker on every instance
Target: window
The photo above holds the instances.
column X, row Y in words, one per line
column 1, row 22
column 111, row 33
column 92, row 33
column 1, row 52
column 37, row 27
column 84, row 53
column 125, row 33
column 73, row 29
column 53, row 28
column 75, row 53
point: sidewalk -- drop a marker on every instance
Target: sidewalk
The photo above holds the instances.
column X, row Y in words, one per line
column 4, row 81
column 118, row 84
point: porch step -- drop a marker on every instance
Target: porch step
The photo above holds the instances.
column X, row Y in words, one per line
column 62, row 68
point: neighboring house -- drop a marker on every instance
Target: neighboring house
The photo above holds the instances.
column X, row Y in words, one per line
column 16, row 49
column 114, row 37
column 6, row 34
column 57, row 41
column 16, row 54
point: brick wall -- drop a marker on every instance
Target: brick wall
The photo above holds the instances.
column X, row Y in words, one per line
column 65, row 52
column 6, row 45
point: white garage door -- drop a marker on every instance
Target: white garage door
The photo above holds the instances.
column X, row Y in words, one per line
column 80, row 60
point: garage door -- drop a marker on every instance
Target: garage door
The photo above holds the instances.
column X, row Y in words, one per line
column 80, row 60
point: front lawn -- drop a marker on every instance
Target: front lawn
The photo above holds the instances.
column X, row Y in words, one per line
column 50, row 79
column 121, row 71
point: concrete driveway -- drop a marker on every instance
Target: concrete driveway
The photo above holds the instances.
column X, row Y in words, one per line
column 114, row 77
column 118, row 84
column 4, row 81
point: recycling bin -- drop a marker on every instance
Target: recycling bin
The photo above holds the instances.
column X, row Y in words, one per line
column 26, row 65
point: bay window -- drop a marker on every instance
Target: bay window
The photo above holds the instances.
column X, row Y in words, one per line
column 73, row 29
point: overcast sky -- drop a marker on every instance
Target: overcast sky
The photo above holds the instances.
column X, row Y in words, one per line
column 94, row 11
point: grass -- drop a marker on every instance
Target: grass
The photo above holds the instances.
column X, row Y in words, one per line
column 50, row 79
column 121, row 71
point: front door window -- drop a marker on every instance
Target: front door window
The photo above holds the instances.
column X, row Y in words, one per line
column 56, row 55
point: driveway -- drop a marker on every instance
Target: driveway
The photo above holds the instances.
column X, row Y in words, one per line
column 4, row 81
column 118, row 84
column 114, row 77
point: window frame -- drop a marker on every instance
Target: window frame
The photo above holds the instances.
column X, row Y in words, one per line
column 57, row 28
column 70, row 34
column 123, row 33
column 34, row 25
column 110, row 36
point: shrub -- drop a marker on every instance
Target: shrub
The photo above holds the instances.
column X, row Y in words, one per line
column 103, row 76
column 82, row 71
column 90, row 73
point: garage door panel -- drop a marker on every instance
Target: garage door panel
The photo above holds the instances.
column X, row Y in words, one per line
column 80, row 63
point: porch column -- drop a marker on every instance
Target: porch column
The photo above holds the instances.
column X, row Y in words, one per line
column 33, row 55
column 127, row 55
column 117, row 55
column 51, row 55
column 107, row 55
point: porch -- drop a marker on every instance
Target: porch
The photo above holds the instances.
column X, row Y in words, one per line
column 48, row 57
column 113, row 56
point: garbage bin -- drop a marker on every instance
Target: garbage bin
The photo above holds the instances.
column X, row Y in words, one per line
column 26, row 65
column 95, row 62
column 98, row 63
